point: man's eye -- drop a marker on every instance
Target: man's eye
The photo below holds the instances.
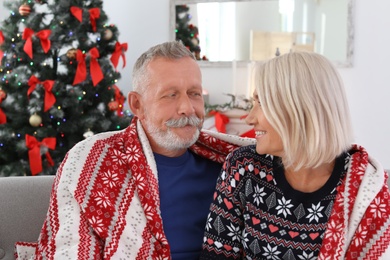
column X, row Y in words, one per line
column 170, row 95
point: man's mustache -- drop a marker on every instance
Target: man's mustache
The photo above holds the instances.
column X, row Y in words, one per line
column 184, row 121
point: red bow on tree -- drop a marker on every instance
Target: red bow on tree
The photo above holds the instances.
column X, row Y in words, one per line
column 34, row 152
column 94, row 14
column 50, row 99
column 1, row 42
column 94, row 67
column 3, row 118
column 77, row 12
column 119, row 51
column 120, row 99
column 42, row 35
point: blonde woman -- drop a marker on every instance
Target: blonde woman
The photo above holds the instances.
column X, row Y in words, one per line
column 304, row 191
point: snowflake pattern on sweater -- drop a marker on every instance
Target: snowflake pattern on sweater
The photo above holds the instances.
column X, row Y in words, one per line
column 105, row 201
column 258, row 214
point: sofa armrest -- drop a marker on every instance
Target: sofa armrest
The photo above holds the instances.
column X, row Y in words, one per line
column 24, row 203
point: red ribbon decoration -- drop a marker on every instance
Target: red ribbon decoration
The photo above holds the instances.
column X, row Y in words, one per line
column 119, row 51
column 77, row 12
column 94, row 13
column 34, row 152
column 94, row 67
column 120, row 99
column 50, row 99
column 42, row 35
column 2, row 38
column 220, row 121
column 3, row 118
column 81, row 71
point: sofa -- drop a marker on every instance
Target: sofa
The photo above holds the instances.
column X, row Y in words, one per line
column 24, row 202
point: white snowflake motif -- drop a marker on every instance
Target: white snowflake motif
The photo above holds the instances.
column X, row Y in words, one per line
column 315, row 212
column 102, row 199
column 333, row 231
column 97, row 224
column 149, row 212
column 284, row 207
column 110, row 179
column 378, row 208
column 244, row 239
column 306, row 256
column 360, row 236
column 133, row 153
column 234, row 232
column 118, row 157
column 209, row 220
column 140, row 182
column 271, row 252
column 258, row 195
column 213, row 157
column 161, row 238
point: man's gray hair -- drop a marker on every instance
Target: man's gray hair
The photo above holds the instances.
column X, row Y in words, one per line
column 168, row 50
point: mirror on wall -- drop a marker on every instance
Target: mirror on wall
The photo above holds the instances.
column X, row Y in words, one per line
column 247, row 30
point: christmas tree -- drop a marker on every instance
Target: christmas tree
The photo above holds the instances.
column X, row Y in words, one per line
column 187, row 32
column 58, row 74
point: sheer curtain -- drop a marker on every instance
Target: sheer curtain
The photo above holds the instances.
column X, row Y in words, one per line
column 217, row 19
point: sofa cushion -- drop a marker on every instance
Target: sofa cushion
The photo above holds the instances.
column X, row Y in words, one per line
column 24, row 203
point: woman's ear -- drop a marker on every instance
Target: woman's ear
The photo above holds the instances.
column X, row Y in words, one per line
column 136, row 104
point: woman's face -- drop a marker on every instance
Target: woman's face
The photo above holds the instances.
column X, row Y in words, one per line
column 268, row 140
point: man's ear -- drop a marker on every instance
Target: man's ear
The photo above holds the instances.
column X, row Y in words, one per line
column 136, row 104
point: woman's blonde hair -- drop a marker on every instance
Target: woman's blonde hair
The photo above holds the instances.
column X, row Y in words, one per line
column 303, row 98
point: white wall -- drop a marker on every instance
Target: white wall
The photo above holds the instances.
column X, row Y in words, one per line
column 368, row 82
column 143, row 23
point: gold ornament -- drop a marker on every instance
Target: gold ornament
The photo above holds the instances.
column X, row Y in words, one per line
column 107, row 35
column 35, row 120
column 71, row 54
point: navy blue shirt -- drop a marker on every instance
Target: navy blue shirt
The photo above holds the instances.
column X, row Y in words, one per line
column 186, row 186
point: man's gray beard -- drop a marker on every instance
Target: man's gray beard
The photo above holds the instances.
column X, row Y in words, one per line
column 169, row 140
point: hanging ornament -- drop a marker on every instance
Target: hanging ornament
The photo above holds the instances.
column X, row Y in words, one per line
column 71, row 54
column 35, row 120
column 113, row 105
column 107, row 35
column 87, row 134
column 3, row 94
column 24, row 10
column 195, row 41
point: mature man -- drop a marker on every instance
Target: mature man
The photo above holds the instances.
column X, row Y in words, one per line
column 143, row 192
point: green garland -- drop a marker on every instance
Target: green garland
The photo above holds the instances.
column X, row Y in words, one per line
column 235, row 103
